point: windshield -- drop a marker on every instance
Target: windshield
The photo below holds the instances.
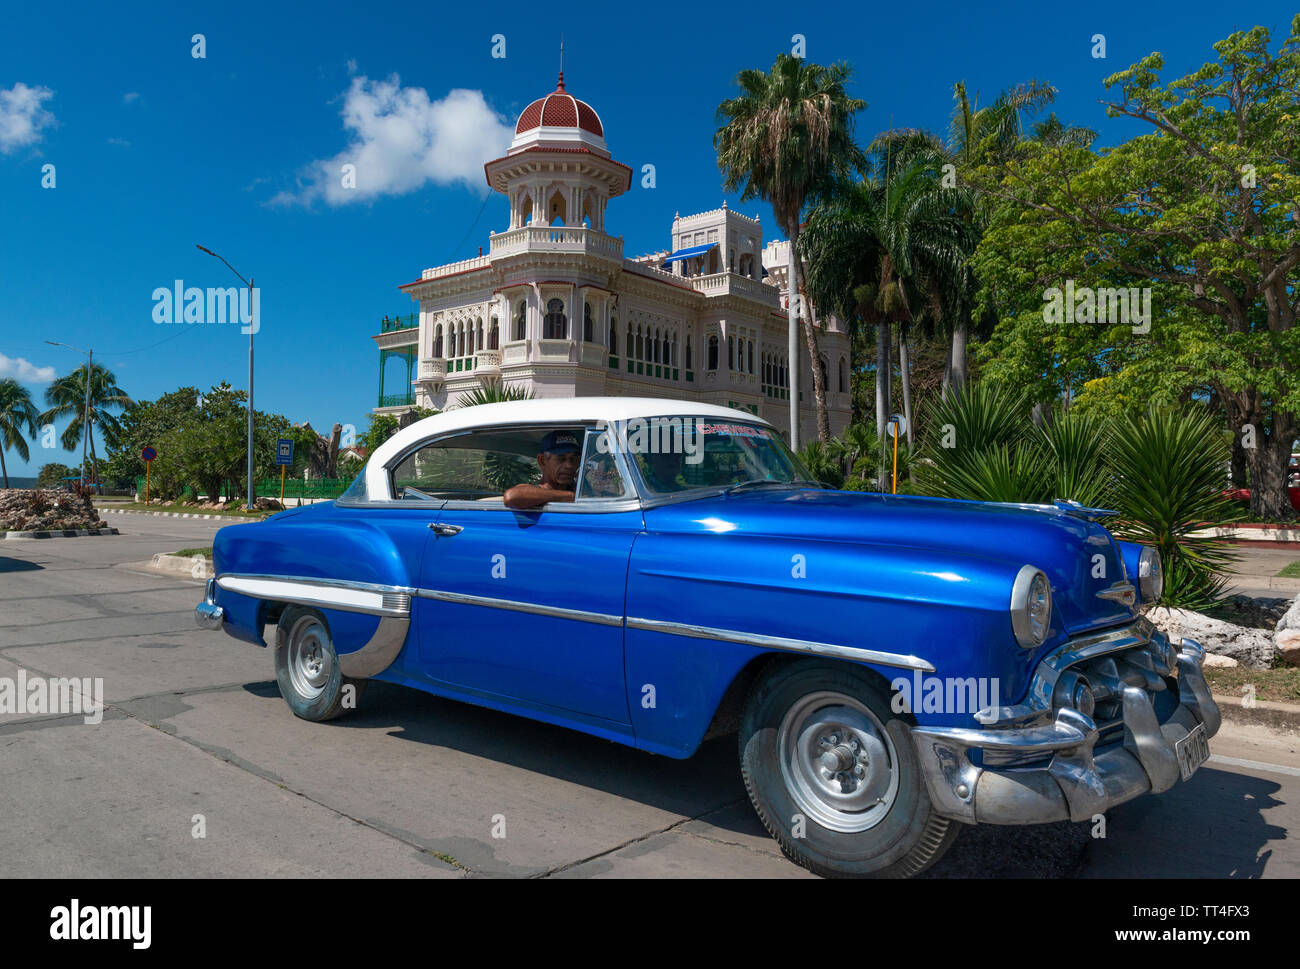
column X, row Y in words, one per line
column 678, row 454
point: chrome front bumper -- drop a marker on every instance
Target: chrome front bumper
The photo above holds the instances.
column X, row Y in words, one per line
column 1076, row 782
column 207, row 613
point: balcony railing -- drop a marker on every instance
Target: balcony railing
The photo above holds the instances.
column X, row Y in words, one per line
column 389, row 324
column 546, row 238
column 433, row 369
column 397, row 400
column 720, row 284
column 487, row 361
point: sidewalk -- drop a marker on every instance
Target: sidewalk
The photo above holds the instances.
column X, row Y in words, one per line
column 1255, row 573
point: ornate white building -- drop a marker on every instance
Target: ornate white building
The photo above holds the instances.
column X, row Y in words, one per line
column 554, row 306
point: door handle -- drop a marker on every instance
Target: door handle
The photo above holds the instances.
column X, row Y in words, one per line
column 440, row 528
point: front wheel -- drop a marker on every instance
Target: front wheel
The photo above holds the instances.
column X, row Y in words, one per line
column 831, row 772
column 307, row 668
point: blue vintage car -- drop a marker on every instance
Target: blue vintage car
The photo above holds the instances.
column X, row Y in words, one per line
column 895, row 666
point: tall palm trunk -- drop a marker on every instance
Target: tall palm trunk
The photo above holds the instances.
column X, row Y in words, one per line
column 960, row 335
column 814, row 352
column 884, row 377
column 3, row 469
column 904, row 366
column 792, row 337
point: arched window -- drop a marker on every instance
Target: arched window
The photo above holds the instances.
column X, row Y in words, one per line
column 630, row 344
column 460, row 339
column 826, row 380
column 494, row 339
column 556, row 324
column 713, row 352
column 640, row 345
column 844, row 375
column 688, row 351
column 526, row 213
column 588, row 327
column 478, row 335
column 557, row 209
column 437, row 342
column 751, row 357
column 521, row 320
column 613, row 334
column 666, row 349
column 731, row 353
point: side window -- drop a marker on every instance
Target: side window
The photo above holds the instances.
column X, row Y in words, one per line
column 598, row 476
column 476, row 466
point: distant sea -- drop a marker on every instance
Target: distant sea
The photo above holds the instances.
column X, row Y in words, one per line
column 19, row 482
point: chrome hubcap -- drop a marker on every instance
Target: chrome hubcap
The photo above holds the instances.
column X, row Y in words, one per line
column 838, row 761
column 311, row 658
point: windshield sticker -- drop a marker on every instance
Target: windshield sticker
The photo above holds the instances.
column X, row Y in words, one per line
column 736, row 430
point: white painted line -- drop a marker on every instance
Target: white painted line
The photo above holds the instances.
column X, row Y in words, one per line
column 1255, row 765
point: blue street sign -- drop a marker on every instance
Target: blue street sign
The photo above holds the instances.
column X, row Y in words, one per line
column 284, row 451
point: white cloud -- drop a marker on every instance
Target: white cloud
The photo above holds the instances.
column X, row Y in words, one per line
column 120, row 142
column 130, row 96
column 22, row 117
column 25, row 372
column 400, row 140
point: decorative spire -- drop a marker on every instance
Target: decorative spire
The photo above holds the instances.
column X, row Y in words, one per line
column 560, row 84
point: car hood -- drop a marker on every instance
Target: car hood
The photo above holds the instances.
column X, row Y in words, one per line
column 1079, row 556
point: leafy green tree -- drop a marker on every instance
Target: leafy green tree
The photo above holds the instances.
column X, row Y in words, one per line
column 144, row 423
column 17, row 419
column 1202, row 210
column 52, row 475
column 786, row 138
column 66, row 397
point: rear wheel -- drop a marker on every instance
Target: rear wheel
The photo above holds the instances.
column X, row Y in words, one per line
column 307, row 667
column 831, row 772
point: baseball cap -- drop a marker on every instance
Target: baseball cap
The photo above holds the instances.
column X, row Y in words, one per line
column 560, row 442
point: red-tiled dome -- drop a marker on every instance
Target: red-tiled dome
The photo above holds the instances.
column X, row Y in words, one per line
column 560, row 109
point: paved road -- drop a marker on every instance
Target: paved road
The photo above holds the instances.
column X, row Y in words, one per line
column 413, row 785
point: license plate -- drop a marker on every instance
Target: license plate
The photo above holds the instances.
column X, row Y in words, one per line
column 1192, row 751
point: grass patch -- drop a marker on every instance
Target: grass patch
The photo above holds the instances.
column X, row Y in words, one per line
column 191, row 552
column 1291, row 571
column 183, row 509
column 1281, row 685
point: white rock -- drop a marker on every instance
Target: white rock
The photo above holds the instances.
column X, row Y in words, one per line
column 1292, row 618
column 1251, row 648
column 1226, row 662
column 1288, row 646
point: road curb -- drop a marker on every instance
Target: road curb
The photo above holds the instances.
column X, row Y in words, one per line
column 180, row 514
column 60, row 533
column 179, row 565
column 1266, row 713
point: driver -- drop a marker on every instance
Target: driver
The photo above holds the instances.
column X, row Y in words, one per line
column 558, row 459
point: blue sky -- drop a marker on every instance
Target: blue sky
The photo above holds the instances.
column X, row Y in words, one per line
column 155, row 150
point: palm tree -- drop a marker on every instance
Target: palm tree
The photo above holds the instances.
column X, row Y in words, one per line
column 493, row 394
column 786, row 139
column 66, row 397
column 980, row 136
column 883, row 248
column 16, row 415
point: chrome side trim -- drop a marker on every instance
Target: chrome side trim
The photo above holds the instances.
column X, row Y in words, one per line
column 342, row 594
column 207, row 614
column 1123, row 592
column 782, row 643
column 514, row 605
column 378, row 654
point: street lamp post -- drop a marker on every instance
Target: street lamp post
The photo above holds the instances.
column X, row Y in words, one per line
column 85, row 414
column 252, row 328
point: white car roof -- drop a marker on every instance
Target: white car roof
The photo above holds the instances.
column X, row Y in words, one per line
column 552, row 410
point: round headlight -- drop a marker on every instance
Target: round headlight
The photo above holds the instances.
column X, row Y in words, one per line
column 1151, row 575
column 1031, row 606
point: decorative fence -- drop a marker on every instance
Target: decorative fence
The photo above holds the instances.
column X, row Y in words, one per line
column 311, row 488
